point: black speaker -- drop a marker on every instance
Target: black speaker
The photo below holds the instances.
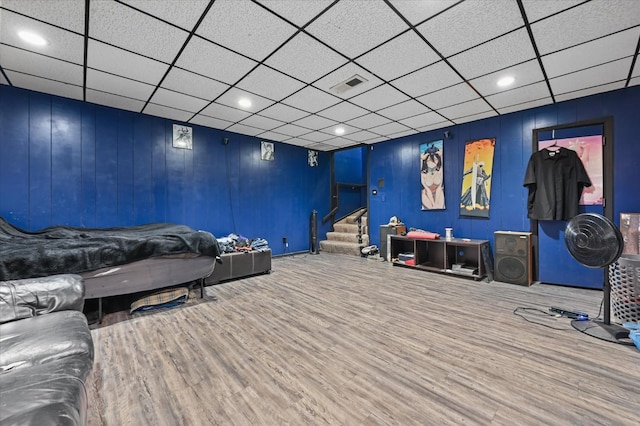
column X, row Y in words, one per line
column 513, row 251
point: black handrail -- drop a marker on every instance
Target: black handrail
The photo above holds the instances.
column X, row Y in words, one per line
column 330, row 214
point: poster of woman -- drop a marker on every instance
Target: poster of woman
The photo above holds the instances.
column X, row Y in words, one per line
column 432, row 175
column 476, row 178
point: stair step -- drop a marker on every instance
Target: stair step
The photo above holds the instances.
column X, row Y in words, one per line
column 341, row 247
column 347, row 237
column 352, row 219
column 349, row 228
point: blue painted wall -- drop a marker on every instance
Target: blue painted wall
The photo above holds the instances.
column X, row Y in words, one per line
column 65, row 162
column 350, row 166
column 397, row 162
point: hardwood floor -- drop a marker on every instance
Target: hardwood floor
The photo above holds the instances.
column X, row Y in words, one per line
column 313, row 343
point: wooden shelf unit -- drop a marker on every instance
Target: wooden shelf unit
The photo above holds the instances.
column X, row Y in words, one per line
column 462, row 257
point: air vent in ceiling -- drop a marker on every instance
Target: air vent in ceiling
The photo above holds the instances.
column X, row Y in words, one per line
column 348, row 84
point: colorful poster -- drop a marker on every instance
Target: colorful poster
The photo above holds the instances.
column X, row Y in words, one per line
column 432, row 175
column 476, row 178
column 589, row 149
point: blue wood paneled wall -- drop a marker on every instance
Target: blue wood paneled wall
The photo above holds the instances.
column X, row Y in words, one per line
column 397, row 162
column 65, row 162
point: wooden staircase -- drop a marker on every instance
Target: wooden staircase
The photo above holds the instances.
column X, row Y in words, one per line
column 344, row 237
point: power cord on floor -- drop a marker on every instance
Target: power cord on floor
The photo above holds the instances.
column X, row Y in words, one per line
column 522, row 308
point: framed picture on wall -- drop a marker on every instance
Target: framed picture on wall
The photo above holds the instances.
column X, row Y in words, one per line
column 476, row 178
column 432, row 175
column 182, row 137
column 267, row 151
column 312, row 158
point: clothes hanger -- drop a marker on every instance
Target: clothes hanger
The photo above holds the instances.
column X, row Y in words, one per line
column 554, row 146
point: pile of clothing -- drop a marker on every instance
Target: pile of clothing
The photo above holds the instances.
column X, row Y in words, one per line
column 233, row 243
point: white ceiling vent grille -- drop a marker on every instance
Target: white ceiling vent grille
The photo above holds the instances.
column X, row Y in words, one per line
column 348, row 84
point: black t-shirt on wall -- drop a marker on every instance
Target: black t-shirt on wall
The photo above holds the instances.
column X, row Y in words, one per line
column 555, row 180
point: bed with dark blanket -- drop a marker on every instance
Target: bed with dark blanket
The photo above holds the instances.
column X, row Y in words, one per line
column 112, row 261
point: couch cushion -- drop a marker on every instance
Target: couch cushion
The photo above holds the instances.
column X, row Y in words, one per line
column 42, row 339
column 47, row 394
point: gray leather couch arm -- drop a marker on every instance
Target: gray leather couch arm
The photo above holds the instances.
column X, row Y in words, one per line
column 32, row 297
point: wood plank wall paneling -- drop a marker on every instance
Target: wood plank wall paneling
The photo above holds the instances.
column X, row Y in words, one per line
column 328, row 339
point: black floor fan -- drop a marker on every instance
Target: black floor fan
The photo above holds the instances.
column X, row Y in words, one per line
column 594, row 241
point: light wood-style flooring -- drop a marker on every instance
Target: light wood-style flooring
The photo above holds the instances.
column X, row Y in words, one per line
column 339, row 340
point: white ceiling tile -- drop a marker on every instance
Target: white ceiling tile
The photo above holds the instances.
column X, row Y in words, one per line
column 314, row 122
column 184, row 13
column 297, row 12
column 114, row 101
column 427, row 80
column 416, row 11
column 595, row 76
column 347, row 130
column 361, row 136
column 186, row 82
column 3, row 80
column 309, row 144
column 118, row 85
column 399, row 56
column 270, row 83
column 40, row 66
column 211, row 122
column 283, row 113
column 233, row 96
column 342, row 112
column 475, row 117
column 402, row 134
column 224, row 112
column 355, row 26
column 320, row 147
column 449, row 96
column 244, row 129
column 178, row 100
column 465, row 109
column 311, row 99
column 538, row 9
column 525, row 73
column 519, row 95
column 495, row 55
column 422, row 120
column 213, row 61
column 593, row 53
column 167, row 112
column 117, row 61
column 439, row 125
column 378, row 98
column 583, row 23
column 245, row 27
column 470, row 23
column 305, row 58
column 274, row 136
column 68, row 14
column 292, row 130
column 261, row 122
column 376, row 140
column 317, row 136
column 634, row 81
column 525, row 105
column 590, row 91
column 122, row 26
column 403, row 110
column 343, row 74
column 44, row 85
column 389, row 129
column 636, row 69
column 62, row 44
column 368, row 121
column 340, row 143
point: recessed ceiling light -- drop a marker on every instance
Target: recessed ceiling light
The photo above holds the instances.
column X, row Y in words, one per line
column 244, row 103
column 339, row 130
column 33, row 38
column 506, row 81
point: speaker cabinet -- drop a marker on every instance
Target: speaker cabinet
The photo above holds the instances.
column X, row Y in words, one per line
column 385, row 232
column 513, row 254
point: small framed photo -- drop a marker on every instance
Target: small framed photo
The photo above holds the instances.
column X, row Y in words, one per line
column 312, row 158
column 182, row 137
column 267, row 151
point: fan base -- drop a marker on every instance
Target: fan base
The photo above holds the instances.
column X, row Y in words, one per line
column 610, row 332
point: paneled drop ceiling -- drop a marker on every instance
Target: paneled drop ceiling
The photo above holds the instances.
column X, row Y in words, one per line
column 426, row 64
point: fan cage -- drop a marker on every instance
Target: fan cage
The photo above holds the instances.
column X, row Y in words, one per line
column 624, row 280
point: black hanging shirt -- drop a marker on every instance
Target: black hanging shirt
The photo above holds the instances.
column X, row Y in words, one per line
column 555, row 180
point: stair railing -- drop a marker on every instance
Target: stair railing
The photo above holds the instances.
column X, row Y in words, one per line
column 358, row 219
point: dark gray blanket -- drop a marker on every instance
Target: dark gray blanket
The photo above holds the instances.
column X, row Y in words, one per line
column 64, row 249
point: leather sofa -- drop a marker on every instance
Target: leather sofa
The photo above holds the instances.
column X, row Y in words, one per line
column 46, row 351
